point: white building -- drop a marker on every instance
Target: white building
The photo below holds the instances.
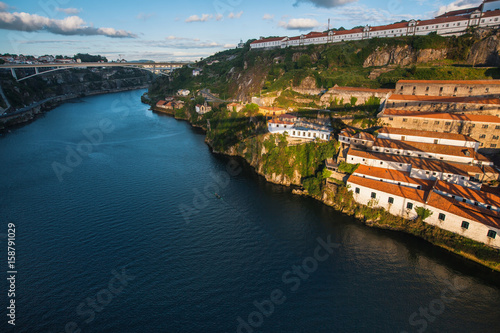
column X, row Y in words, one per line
column 479, row 224
column 289, row 128
column 450, row 24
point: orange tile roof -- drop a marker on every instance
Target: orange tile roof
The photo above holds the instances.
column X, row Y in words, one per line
column 491, row 13
column 383, row 91
column 425, row 134
column 445, row 99
column 402, row 191
column 274, row 121
column 265, row 40
column 433, row 199
column 471, row 82
column 390, row 26
column 468, row 193
column 440, row 20
column 424, row 164
column 425, row 147
column 466, row 211
column 458, row 12
column 346, row 32
column 394, row 175
column 444, row 116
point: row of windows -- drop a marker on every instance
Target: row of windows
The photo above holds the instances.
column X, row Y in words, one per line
column 471, row 89
column 441, row 216
column 448, row 123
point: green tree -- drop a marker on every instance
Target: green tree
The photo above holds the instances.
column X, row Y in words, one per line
column 423, row 213
column 304, row 62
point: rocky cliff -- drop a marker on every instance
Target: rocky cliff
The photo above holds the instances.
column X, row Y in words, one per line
column 403, row 56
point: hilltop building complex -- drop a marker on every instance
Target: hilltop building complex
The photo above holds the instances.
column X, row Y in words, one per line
column 453, row 23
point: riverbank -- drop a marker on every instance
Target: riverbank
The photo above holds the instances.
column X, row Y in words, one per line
column 337, row 196
column 30, row 113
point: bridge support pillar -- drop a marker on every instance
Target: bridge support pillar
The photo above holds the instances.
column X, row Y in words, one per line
column 36, row 70
column 13, row 71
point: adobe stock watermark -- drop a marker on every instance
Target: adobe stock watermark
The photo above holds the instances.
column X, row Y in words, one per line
column 427, row 315
column 220, row 180
column 292, row 279
column 87, row 310
column 93, row 137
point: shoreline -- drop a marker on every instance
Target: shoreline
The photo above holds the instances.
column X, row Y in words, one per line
column 428, row 233
column 18, row 118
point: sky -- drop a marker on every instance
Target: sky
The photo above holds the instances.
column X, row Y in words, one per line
column 164, row 30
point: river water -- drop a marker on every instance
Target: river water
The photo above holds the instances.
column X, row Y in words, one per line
column 126, row 222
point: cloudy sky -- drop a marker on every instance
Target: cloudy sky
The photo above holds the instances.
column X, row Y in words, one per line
column 185, row 30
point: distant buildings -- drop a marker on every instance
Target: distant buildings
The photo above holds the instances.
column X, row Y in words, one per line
column 453, row 23
column 202, row 109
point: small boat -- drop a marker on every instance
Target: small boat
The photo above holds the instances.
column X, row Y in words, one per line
column 217, row 196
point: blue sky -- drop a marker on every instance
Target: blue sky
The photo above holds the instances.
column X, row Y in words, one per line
column 185, row 30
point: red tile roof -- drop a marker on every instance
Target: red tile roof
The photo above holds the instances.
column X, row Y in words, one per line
column 441, row 20
column 265, row 40
column 425, row 134
column 466, row 211
column 424, row 164
column 445, row 99
column 274, row 121
column 458, row 12
column 468, row 193
column 471, row 82
column 394, row 175
column 402, row 191
column 425, row 147
column 433, row 199
column 390, row 26
column 444, row 116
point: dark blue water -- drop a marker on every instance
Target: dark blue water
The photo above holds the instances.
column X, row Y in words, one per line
column 121, row 210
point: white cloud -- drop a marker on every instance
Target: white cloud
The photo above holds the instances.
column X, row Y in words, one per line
column 325, row 3
column 457, row 5
column 219, row 17
column 181, row 38
column 4, row 7
column 71, row 25
column 299, row 24
column 144, row 16
column 233, row 15
column 362, row 15
column 196, row 18
column 268, row 17
column 229, row 46
column 69, row 11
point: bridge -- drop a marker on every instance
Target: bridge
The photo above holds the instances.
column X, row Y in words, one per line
column 154, row 67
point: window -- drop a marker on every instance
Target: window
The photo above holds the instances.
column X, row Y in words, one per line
column 492, row 234
column 436, row 141
column 405, row 120
column 373, row 195
column 391, row 200
column 482, row 136
column 465, row 225
column 441, row 217
column 381, row 163
column 448, row 123
column 497, row 127
column 436, row 122
column 485, row 126
column 409, row 205
column 495, row 137
column 493, row 145
column 357, row 190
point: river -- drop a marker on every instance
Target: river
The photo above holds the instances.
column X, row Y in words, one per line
column 126, row 222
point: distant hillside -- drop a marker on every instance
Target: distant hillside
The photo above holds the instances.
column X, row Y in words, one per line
column 240, row 73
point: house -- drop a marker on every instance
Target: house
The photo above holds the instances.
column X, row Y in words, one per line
column 202, row 109
column 482, row 128
column 471, row 221
column 235, row 107
column 183, row 92
column 161, row 104
column 451, row 139
column 450, row 88
column 470, row 105
column 454, row 23
column 271, row 111
column 291, row 129
column 196, row 71
column 288, row 117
